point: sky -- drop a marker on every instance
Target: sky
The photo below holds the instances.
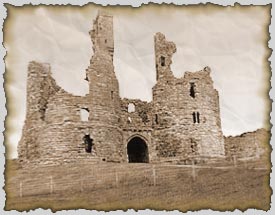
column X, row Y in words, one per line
column 232, row 41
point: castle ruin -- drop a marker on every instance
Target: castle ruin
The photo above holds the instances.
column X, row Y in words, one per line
column 181, row 123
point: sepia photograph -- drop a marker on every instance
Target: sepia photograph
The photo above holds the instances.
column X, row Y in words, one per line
column 161, row 107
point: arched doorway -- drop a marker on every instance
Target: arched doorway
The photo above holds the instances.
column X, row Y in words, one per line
column 137, row 151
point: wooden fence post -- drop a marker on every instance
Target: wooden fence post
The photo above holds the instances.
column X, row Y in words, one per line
column 235, row 160
column 154, row 175
column 193, row 170
column 51, row 184
column 81, row 185
column 117, row 179
column 20, row 190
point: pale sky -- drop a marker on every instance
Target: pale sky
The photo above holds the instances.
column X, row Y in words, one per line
column 231, row 41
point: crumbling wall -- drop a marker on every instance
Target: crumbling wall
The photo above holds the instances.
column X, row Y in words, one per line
column 40, row 87
column 249, row 146
column 139, row 117
column 54, row 130
column 62, row 137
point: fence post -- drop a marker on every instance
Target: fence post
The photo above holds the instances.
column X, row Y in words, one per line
column 116, row 178
column 81, row 185
column 154, row 175
column 51, row 184
column 235, row 161
column 20, row 190
column 193, row 170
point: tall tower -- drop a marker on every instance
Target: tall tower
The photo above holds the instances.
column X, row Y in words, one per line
column 164, row 99
column 102, row 34
column 185, row 110
column 103, row 97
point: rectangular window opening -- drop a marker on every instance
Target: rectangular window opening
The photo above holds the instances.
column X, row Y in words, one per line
column 84, row 114
column 162, row 61
column 156, row 119
column 131, row 108
column 88, row 141
column 192, row 90
column 194, row 117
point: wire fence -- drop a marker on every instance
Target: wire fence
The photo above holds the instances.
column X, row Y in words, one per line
column 74, row 180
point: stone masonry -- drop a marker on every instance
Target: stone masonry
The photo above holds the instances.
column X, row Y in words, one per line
column 181, row 123
column 249, row 146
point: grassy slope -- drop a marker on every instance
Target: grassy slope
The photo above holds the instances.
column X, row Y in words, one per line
column 123, row 186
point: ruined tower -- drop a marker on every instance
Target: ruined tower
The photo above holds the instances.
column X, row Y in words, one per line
column 186, row 110
column 103, row 99
column 40, row 86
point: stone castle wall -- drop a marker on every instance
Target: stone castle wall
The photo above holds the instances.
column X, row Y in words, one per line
column 181, row 123
column 249, row 146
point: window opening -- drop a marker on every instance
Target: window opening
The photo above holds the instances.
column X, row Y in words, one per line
column 131, row 107
column 156, row 119
column 162, row 61
column 198, row 117
column 84, row 114
column 194, row 117
column 192, row 90
column 88, row 141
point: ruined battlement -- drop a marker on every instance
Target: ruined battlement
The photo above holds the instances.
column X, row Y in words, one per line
column 164, row 51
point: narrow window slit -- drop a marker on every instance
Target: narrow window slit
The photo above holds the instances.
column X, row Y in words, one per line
column 156, row 119
column 194, row 117
column 198, row 117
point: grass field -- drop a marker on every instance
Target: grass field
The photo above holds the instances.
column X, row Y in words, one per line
column 138, row 186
